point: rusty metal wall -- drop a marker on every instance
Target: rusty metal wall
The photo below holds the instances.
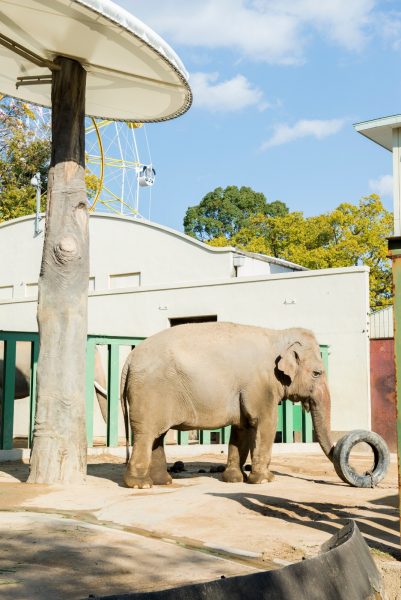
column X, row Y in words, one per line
column 383, row 399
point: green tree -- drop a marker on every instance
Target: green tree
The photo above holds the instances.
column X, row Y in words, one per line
column 22, row 154
column 350, row 235
column 223, row 212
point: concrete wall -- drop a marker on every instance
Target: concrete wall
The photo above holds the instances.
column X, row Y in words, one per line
column 180, row 277
column 333, row 303
column 124, row 252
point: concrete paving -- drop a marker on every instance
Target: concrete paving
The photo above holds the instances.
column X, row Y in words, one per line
column 103, row 538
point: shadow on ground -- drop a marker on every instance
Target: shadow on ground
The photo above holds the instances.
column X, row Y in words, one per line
column 46, row 557
column 115, row 472
column 17, row 469
column 381, row 532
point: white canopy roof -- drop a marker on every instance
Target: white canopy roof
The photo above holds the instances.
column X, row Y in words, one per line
column 132, row 73
column 380, row 130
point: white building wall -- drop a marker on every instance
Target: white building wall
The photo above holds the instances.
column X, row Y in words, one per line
column 254, row 267
column 124, row 252
column 333, row 303
column 174, row 276
column 255, row 264
column 161, row 256
column 120, row 246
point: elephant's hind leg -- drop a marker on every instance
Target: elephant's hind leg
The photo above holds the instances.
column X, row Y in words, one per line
column 238, row 449
column 158, row 467
column 137, row 474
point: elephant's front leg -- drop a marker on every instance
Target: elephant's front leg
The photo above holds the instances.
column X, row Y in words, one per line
column 137, row 474
column 158, row 468
column 238, row 450
column 262, row 439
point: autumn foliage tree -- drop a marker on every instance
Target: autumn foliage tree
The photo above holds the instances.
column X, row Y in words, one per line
column 350, row 235
column 22, row 154
column 25, row 150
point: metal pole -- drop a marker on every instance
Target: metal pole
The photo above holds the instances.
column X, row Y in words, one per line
column 394, row 246
column 36, row 182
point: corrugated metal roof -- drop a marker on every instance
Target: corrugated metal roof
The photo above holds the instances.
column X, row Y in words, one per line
column 381, row 323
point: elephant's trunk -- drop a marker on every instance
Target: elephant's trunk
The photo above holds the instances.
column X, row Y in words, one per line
column 319, row 409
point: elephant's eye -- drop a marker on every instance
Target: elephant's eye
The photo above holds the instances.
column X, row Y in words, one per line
column 316, row 373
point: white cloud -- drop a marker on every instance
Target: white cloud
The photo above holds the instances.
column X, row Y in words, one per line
column 234, row 24
column 382, row 185
column 319, row 129
column 348, row 23
column 274, row 31
column 229, row 95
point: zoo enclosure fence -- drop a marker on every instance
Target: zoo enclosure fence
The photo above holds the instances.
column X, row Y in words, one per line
column 294, row 424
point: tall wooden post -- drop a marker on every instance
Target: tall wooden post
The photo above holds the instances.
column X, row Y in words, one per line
column 59, row 440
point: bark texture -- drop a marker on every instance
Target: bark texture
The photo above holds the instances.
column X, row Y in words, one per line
column 59, row 442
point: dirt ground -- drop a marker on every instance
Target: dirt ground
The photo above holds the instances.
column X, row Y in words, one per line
column 103, row 538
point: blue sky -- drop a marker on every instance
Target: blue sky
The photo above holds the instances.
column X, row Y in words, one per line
column 277, row 86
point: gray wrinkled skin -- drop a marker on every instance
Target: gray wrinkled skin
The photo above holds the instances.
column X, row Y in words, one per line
column 210, row 375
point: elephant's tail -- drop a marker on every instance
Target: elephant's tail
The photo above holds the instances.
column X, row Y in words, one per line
column 124, row 407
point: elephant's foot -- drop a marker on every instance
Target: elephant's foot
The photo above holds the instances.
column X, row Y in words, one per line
column 260, row 477
column 160, row 477
column 137, row 481
column 233, row 475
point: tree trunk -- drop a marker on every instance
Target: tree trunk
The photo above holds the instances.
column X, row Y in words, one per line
column 59, row 441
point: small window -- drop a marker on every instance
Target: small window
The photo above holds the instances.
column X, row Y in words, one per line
column 91, row 286
column 124, row 280
column 6, row 292
column 200, row 319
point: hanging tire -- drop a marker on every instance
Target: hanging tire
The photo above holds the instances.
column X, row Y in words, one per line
column 342, row 453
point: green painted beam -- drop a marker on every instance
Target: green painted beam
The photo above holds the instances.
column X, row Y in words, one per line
column 183, row 438
column 324, row 351
column 307, row 427
column 89, row 389
column 280, row 418
column 7, row 417
column 289, row 417
column 226, row 432
column 18, row 336
column 205, row 435
column 288, row 422
column 113, row 393
column 32, row 394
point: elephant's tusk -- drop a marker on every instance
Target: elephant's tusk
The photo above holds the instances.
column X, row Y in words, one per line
column 100, row 389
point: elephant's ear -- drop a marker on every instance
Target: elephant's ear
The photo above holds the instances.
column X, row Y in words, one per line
column 288, row 362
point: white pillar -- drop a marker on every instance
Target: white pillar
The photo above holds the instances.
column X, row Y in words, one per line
column 397, row 180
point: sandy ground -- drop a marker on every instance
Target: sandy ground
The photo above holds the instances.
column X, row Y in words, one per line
column 102, row 538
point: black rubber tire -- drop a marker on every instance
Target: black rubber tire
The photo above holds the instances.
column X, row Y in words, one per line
column 342, row 452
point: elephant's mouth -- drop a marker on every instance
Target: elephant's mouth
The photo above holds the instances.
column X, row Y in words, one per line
column 306, row 403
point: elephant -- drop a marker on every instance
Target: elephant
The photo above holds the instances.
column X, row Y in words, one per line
column 23, row 376
column 210, row 375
